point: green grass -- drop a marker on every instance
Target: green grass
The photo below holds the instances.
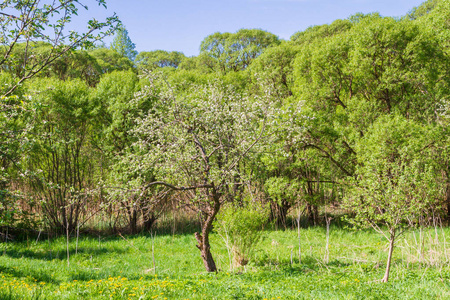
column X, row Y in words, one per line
column 119, row 268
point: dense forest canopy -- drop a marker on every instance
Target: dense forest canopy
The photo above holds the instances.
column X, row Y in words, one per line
column 353, row 114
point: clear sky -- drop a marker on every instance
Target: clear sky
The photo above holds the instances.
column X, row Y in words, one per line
column 181, row 25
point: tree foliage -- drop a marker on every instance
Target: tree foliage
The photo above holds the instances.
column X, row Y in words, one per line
column 195, row 143
column 26, row 22
column 226, row 52
column 33, row 39
column 159, row 59
column 397, row 180
column 123, row 45
column 62, row 159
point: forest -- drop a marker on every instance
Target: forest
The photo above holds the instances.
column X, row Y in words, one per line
column 338, row 132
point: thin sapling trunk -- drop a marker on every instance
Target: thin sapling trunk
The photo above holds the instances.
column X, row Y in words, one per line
column 391, row 250
column 78, row 236
column 299, row 238
column 67, row 244
column 327, row 247
column 153, row 253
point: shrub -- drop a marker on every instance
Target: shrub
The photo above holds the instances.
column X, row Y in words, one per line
column 240, row 226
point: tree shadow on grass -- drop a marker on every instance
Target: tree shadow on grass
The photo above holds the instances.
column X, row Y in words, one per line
column 36, row 274
column 40, row 276
column 61, row 255
column 8, row 294
column 308, row 264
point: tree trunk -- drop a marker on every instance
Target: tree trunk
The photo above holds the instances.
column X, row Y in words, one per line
column 148, row 222
column 391, row 250
column 203, row 239
column 279, row 212
column 312, row 213
column 205, row 252
column 133, row 221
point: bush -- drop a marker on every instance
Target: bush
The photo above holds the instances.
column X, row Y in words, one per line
column 240, row 226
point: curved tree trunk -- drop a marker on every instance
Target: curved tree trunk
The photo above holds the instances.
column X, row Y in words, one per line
column 203, row 238
column 205, row 252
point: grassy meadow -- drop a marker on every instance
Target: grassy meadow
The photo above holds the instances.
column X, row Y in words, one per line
column 121, row 267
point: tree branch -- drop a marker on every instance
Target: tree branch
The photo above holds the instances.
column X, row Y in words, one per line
column 330, row 157
column 182, row 188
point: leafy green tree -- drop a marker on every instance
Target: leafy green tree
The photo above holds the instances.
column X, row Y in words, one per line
column 318, row 77
column 274, row 68
column 123, row 44
column 195, row 144
column 22, row 37
column 73, row 64
column 189, row 63
column 315, row 33
column 397, row 180
column 381, row 66
column 24, row 21
column 423, row 9
column 291, row 173
column 434, row 17
column 62, row 160
column 183, row 80
column 76, row 64
column 226, row 52
column 158, row 59
column 119, row 114
column 276, row 65
column 115, row 92
column 294, row 176
column 109, row 60
column 13, row 142
column 398, row 61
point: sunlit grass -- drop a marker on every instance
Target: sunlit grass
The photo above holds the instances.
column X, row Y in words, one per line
column 122, row 268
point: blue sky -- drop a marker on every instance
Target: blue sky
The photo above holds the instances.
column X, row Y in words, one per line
column 181, row 25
